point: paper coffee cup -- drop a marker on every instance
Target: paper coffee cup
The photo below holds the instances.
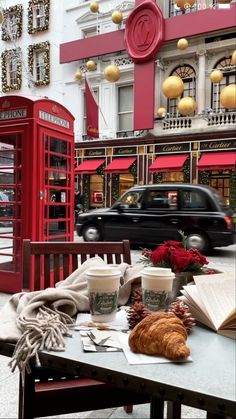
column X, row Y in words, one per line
column 156, row 287
column 103, row 288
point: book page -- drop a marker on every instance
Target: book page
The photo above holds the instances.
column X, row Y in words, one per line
column 218, row 295
column 197, row 313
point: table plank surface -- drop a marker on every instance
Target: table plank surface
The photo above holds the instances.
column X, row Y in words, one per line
column 208, row 382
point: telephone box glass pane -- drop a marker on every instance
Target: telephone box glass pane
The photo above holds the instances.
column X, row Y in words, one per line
column 10, row 202
column 57, row 210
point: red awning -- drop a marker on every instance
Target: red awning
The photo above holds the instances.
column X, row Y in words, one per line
column 217, row 161
column 172, row 163
column 89, row 166
column 120, row 165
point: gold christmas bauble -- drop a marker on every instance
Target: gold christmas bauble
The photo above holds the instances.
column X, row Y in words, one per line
column 186, row 105
column 233, row 58
column 228, row 96
column 112, row 73
column 117, row 17
column 216, row 76
column 173, row 87
column 184, row 4
column 161, row 111
column 94, row 7
column 182, row 43
column 1, row 17
column 91, row 65
column 78, row 75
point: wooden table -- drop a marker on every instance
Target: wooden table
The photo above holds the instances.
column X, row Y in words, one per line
column 207, row 383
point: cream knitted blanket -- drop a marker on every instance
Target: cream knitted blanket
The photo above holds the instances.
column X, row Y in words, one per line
column 41, row 319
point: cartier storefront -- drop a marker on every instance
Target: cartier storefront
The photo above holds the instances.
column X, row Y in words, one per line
column 104, row 173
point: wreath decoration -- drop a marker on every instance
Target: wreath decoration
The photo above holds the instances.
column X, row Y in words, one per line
column 45, row 47
column 17, row 12
column 46, row 5
column 8, row 55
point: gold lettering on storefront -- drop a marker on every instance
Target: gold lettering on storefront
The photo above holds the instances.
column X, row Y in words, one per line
column 219, row 145
column 172, row 148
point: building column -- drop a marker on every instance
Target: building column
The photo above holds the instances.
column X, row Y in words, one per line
column 201, row 90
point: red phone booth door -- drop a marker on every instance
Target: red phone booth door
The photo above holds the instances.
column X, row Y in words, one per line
column 10, row 211
column 56, row 218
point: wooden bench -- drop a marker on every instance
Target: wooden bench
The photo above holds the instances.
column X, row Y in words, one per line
column 46, row 392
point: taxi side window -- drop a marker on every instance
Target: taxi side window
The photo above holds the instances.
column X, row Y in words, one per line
column 162, row 199
column 132, row 200
column 194, row 200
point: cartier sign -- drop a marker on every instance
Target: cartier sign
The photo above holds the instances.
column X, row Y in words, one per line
column 130, row 150
column 99, row 152
column 171, row 148
column 218, row 145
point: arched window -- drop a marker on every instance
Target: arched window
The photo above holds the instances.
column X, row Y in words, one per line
column 187, row 74
column 229, row 77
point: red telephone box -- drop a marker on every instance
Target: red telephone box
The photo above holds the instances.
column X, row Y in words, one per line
column 36, row 179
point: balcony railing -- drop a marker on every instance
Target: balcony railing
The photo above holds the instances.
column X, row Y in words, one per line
column 228, row 118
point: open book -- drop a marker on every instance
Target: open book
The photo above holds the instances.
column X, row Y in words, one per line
column 212, row 301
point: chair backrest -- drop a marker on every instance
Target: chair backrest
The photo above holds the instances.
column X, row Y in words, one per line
column 46, row 263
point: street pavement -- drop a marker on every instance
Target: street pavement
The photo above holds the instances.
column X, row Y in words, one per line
column 222, row 259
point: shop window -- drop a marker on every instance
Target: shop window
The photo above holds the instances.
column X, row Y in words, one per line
column 229, row 77
column 12, row 23
column 38, row 15
column 126, row 181
column 11, row 70
column 125, row 109
column 96, row 191
column 173, row 177
column 162, row 199
column 221, row 182
column 39, row 63
column 187, row 74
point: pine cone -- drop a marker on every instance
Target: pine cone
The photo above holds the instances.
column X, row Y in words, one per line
column 136, row 296
column 181, row 310
column 136, row 313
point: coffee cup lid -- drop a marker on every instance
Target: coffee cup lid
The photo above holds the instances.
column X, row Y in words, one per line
column 157, row 271
column 103, row 271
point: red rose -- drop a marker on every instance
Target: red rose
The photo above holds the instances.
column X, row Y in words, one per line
column 160, row 254
column 172, row 243
column 198, row 258
column 180, row 259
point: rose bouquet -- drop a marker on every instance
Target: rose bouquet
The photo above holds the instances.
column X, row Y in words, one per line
column 173, row 254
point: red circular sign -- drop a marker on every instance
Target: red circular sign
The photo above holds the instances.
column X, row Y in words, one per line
column 144, row 32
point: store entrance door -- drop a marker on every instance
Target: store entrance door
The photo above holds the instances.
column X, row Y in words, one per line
column 10, row 210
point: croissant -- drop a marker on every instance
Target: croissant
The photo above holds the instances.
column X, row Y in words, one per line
column 160, row 333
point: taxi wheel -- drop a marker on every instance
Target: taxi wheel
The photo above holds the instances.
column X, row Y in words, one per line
column 199, row 241
column 91, row 233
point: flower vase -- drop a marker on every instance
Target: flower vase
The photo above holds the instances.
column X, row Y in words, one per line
column 181, row 279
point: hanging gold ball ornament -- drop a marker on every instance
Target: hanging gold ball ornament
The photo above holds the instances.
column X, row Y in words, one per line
column 1, row 17
column 117, row 17
column 216, row 76
column 233, row 58
column 228, row 96
column 161, row 111
column 186, row 106
column 182, row 43
column 112, row 73
column 91, row 65
column 78, row 75
column 184, row 4
column 94, row 7
column 173, row 87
